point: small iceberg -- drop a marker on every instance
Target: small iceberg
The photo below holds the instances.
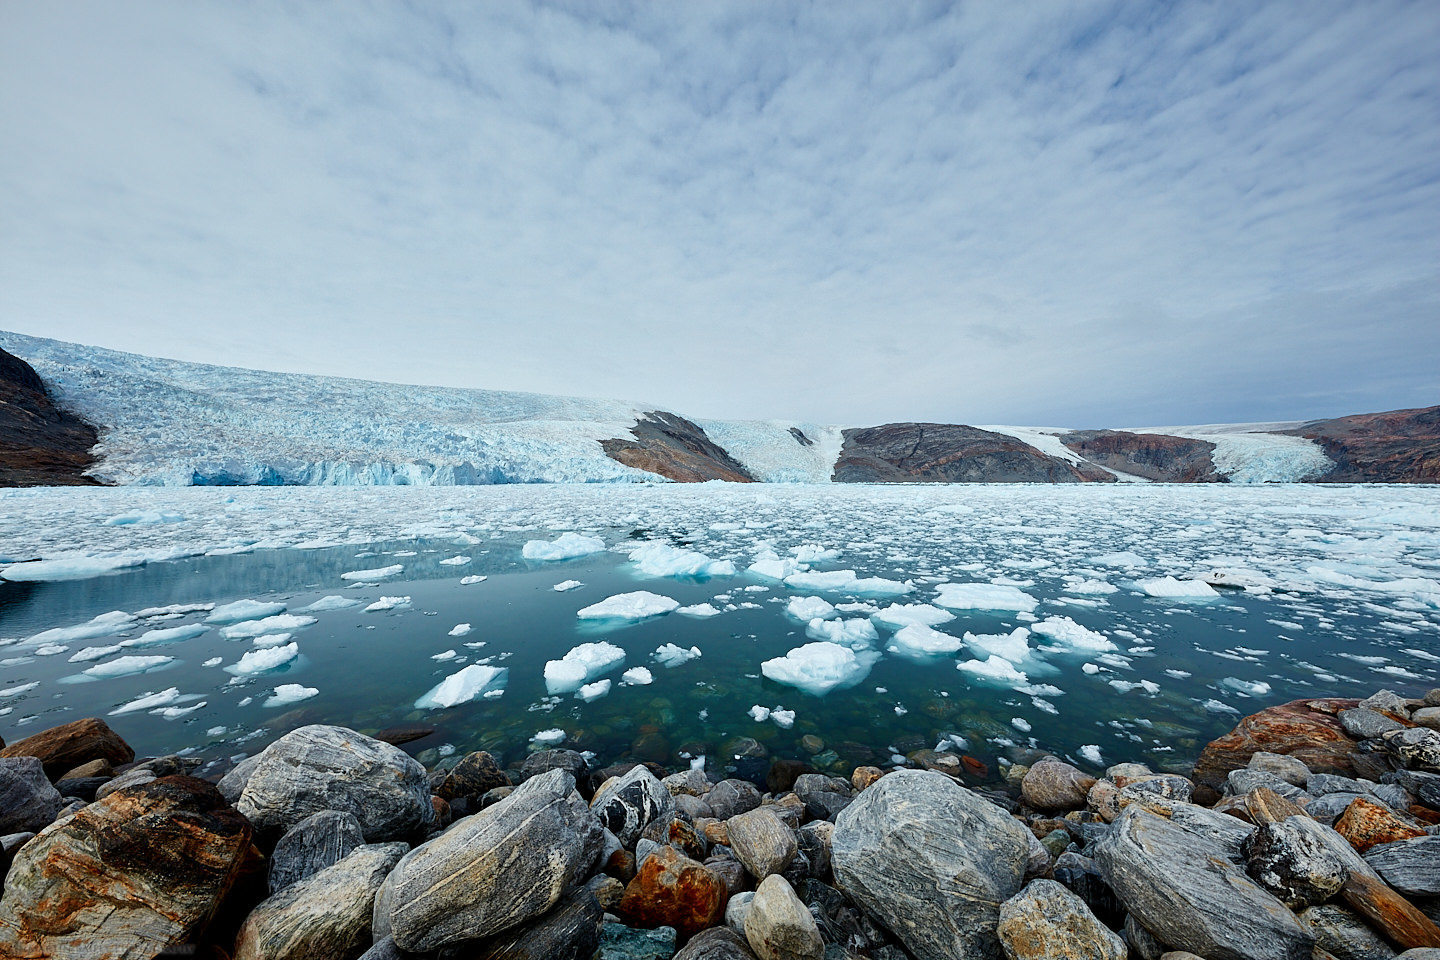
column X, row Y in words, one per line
column 637, row 605
column 379, row 573
column 468, row 684
column 244, row 610
column 663, row 560
column 671, row 655
column 1170, row 588
column 567, row 546
column 126, row 666
column 288, row 693
column 276, row 624
column 580, row 666
column 920, row 642
column 984, row 596
column 818, row 668
column 264, row 659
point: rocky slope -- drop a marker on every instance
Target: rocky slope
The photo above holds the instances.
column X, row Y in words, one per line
column 1402, row 446
column 1294, row 839
column 675, row 448
column 950, row 453
column 39, row 442
column 1153, row 456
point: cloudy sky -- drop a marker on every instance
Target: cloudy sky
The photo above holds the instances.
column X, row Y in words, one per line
column 1080, row 213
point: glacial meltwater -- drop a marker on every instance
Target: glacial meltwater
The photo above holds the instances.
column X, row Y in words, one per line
column 668, row 622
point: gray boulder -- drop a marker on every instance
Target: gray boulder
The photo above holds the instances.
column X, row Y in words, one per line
column 495, row 870
column 930, row 860
column 731, row 797
column 763, row 842
column 1225, row 831
column 627, row 805
column 1292, row 863
column 779, row 927
column 325, row 915
column 1344, row 934
column 737, row 909
column 824, row 797
column 717, row 943
column 28, row 801
column 1410, row 866
column 322, row 767
column 1047, row 922
column 1362, row 723
column 571, row 931
column 1323, row 784
column 233, row 783
column 1181, row 887
column 320, row 840
column 1287, row 768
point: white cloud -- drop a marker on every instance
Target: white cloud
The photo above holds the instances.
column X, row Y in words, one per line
column 1086, row 214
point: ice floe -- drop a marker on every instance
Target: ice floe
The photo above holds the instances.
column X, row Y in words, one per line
column 264, row 659
column 276, row 624
column 1169, row 587
column 818, row 668
column 127, row 666
column 567, row 546
column 920, row 641
column 288, row 693
column 581, row 665
column 898, row 615
column 671, row 655
column 663, row 560
column 636, row 605
column 378, row 573
column 984, row 596
column 846, row 582
column 467, row 684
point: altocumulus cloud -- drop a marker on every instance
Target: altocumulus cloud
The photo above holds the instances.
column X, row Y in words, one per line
column 1077, row 213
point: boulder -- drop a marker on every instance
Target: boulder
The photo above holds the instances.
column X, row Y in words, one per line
column 1047, row 922
column 233, row 783
column 719, row 943
column 322, row 767
column 1290, row 862
column 1052, row 784
column 319, row 841
column 475, row 775
column 1221, row 829
column 1289, row 769
column 627, row 805
column 1081, row 877
column 543, row 761
column 862, row 777
column 72, row 744
column 731, row 797
column 1343, row 934
column 1410, row 866
column 1362, row 723
column 763, row 842
column 1181, row 886
column 28, row 802
column 671, row 890
column 571, row 931
column 1366, row 823
column 930, row 860
column 1418, row 748
column 494, row 870
column 128, row 876
column 824, row 797
column 778, row 926
column 737, row 910
column 1302, row 729
column 323, row 916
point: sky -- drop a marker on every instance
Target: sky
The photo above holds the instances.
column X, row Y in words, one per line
column 1079, row 214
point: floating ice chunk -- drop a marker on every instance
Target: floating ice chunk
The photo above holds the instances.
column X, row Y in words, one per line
column 17, row 690
column 276, row 624
column 173, row 610
column 175, row 713
column 388, row 603
column 94, row 653
column 1215, row 706
column 784, row 719
column 155, row 638
column 580, row 666
column 1091, row 587
column 288, row 693
column 1178, row 674
column 637, row 605
column 993, row 668
column 455, row 561
column 245, row 610
column 378, row 573
column 593, row 691
column 213, row 662
column 50, row 649
column 567, row 546
column 459, row 630
column 1013, row 646
column 144, row 518
column 148, row 701
column 1089, row 669
column 847, row 582
column 267, row 658
column 769, row 566
column 1251, row 688
column 105, row 625
column 984, row 596
column 759, row 714
column 567, row 585
column 1020, row 724
column 1125, row 686
column 814, row 553
column 1090, row 753
column 332, row 602
column 1169, row 587
column 549, row 738
column 701, row 610
column 473, row 578
column 126, row 666
column 1124, row 559
column 806, row 609
column 271, row 640
column 468, row 684
column 671, row 655
column 1066, row 631
column 921, row 642
column 851, row 633
column 663, row 560
column 899, row 615
column 71, row 568
column 444, row 655
column 818, row 668
column 637, row 676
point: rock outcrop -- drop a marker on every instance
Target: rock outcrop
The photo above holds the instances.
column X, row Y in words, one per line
column 69, row 745
column 40, row 443
column 949, row 453
column 1307, row 730
column 1402, row 446
column 676, row 448
column 1154, row 456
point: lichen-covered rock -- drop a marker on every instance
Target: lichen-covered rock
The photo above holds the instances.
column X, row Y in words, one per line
column 322, row 767
column 1053, row 784
column 1418, row 748
column 1410, row 866
column 930, row 860
column 671, row 890
column 1366, row 823
column 323, row 916
column 779, row 927
column 627, row 805
column 1183, row 888
column 494, row 870
column 1047, row 922
column 28, row 802
column 763, row 842
column 129, row 876
column 1291, row 863
column 71, row 744
column 319, row 841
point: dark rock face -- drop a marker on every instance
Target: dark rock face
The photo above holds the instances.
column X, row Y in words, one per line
column 319, row 841
column 949, row 453
column 40, row 444
column 1402, row 446
column 27, row 800
column 69, row 745
column 1153, row 456
column 100, row 885
column 571, row 931
column 675, row 448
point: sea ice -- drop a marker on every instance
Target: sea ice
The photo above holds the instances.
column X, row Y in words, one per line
column 993, row 668
column 663, row 560
column 770, row 566
column 288, row 693
column 148, row 701
column 847, row 582
column 94, row 653
column 459, row 630
column 670, row 655
column 637, row 676
column 70, row 568
column 593, row 691
column 1013, row 646
column 105, row 625
column 1090, row 753
column 379, row 573
column 126, row 666
column 244, row 610
column 473, row 578
column 922, row 642
column 851, row 633
column 276, row 624
column 266, row 658
column 388, row 603
column 806, row 609
column 984, row 596
column 700, row 610
column 155, row 638
column 332, row 602
column 1066, row 631
column 567, row 546
column 567, row 585
column 814, row 553
column 468, row 684
column 455, row 561
column 818, row 668
column 637, row 605
column 899, row 615
column 580, row 666
column 1181, row 589
column 271, row 640
column 548, row 738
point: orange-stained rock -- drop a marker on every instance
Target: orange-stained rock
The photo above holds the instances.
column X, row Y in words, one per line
column 974, row 767
column 128, row 876
column 671, row 890
column 69, row 745
column 1303, row 729
column 1394, row 916
column 1366, row 823
column 862, row 777
column 1266, row 806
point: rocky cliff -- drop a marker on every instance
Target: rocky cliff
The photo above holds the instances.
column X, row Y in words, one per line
column 40, row 443
column 675, row 448
column 1154, row 456
column 950, row 453
column 1402, row 446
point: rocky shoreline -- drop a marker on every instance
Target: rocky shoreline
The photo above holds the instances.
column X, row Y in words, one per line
column 1311, row 830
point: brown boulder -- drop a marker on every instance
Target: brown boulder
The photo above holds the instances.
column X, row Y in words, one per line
column 132, row 875
column 1366, row 823
column 671, row 890
column 1304, row 729
column 72, row 744
column 1053, row 784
